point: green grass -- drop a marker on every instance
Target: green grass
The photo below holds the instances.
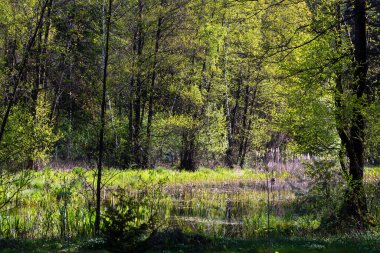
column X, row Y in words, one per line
column 214, row 203
column 343, row 244
column 372, row 174
column 203, row 176
column 44, row 246
column 200, row 177
column 294, row 246
column 359, row 244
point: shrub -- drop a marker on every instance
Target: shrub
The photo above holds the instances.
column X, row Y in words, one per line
column 136, row 216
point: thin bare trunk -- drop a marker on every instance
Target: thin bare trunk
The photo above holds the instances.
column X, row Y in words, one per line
column 106, row 35
column 229, row 152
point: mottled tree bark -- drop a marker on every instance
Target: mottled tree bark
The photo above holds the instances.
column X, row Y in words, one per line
column 352, row 134
column 356, row 200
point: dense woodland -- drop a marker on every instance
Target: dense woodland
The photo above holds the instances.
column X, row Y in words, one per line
column 191, row 83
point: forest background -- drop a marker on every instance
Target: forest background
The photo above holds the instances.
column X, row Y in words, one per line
column 191, row 83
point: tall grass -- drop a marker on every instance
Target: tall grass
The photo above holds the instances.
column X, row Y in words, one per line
column 218, row 203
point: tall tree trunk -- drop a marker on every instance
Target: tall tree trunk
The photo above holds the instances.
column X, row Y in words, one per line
column 131, row 98
column 188, row 151
column 339, row 93
column 229, row 151
column 105, row 49
column 130, row 121
column 152, row 91
column 248, row 128
column 37, row 80
column 45, row 43
column 356, row 200
column 235, row 110
column 352, row 135
column 137, row 152
column 244, row 130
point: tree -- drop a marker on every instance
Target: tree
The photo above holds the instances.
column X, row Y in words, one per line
column 105, row 52
column 353, row 134
column 338, row 79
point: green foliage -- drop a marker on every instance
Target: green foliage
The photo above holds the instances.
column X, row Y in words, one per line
column 212, row 136
column 135, row 217
column 28, row 138
column 325, row 197
column 11, row 187
column 78, row 140
column 311, row 124
column 190, row 81
column 18, row 139
column 43, row 131
column 373, row 133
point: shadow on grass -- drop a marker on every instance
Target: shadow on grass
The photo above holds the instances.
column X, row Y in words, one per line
column 176, row 241
column 198, row 244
